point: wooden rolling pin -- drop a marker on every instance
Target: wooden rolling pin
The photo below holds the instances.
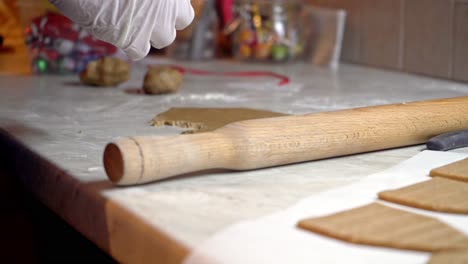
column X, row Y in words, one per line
column 260, row 143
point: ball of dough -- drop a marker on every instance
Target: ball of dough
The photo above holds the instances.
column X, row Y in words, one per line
column 106, row 71
column 162, row 80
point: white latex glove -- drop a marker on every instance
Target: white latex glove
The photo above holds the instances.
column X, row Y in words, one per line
column 131, row 25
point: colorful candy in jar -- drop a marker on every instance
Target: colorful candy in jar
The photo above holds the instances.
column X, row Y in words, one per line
column 245, row 51
column 60, row 46
column 262, row 51
column 279, row 52
column 267, row 31
column 246, row 36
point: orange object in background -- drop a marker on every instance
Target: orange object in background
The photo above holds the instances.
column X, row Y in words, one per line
column 14, row 16
column 13, row 52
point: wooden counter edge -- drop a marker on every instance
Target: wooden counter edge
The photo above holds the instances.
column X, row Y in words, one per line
column 113, row 228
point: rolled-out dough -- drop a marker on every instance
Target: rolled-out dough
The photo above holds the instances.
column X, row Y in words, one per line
column 436, row 194
column 449, row 257
column 207, row 119
column 456, row 171
column 379, row 225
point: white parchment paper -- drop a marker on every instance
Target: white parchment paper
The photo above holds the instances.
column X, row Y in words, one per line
column 276, row 239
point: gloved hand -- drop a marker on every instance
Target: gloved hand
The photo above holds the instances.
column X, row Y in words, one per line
column 130, row 24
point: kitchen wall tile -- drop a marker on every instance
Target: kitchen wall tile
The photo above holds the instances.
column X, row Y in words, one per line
column 460, row 55
column 428, row 37
column 381, row 35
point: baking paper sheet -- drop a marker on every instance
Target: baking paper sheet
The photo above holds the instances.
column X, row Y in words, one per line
column 276, row 239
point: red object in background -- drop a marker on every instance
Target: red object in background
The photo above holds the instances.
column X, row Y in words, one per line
column 224, row 10
column 225, row 16
column 99, row 46
column 51, row 27
column 62, row 45
column 283, row 79
column 54, row 25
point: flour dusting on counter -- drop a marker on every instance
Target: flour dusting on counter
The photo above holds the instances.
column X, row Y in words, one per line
column 207, row 97
column 292, row 87
column 334, row 103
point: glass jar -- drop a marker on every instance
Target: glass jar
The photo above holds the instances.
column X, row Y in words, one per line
column 267, row 30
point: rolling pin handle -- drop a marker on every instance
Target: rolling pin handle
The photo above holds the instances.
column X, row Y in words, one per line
column 137, row 160
column 123, row 161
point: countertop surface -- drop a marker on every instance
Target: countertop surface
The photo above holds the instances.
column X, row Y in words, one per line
column 66, row 126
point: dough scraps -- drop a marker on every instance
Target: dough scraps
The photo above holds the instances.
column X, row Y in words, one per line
column 457, row 170
column 437, row 194
column 379, row 225
column 162, row 80
column 107, row 71
column 208, row 119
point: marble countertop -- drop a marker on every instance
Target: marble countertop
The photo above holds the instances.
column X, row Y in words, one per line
column 59, row 129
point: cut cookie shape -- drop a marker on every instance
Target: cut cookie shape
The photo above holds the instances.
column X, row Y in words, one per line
column 456, row 171
column 379, row 225
column 437, row 194
column 449, row 257
column 208, row 119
